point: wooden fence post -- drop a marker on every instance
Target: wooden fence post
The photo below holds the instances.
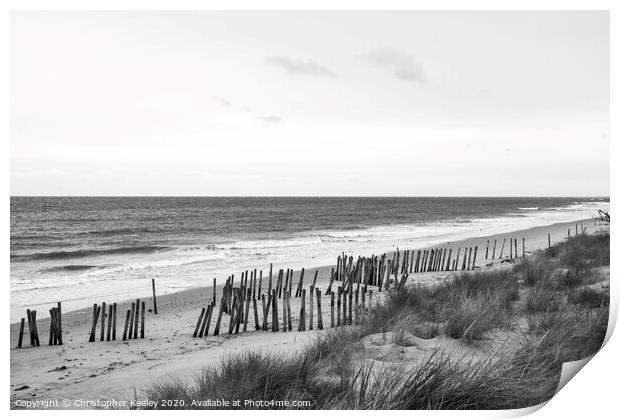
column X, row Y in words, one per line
column 207, row 320
column 101, row 338
column 21, row 334
column 94, row 324
column 333, row 295
column 59, row 319
column 319, row 312
column 339, row 305
column 126, row 324
column 110, row 314
column 473, row 267
column 302, row 312
column 142, row 319
column 274, row 311
column 114, row 322
column 216, row 330
column 289, row 317
column 155, row 297
column 311, row 323
column 199, row 323
column 363, row 305
column 136, row 319
column 131, row 322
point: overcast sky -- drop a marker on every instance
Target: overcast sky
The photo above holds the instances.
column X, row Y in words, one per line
column 351, row 103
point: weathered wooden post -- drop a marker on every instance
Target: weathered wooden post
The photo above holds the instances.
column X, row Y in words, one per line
column 311, row 323
column 102, row 321
column 319, row 312
column 199, row 323
column 464, row 259
column 473, row 267
column 284, row 311
column 21, row 334
column 339, row 305
column 131, row 321
column 33, row 314
column 155, row 297
column 357, row 298
column 350, row 306
column 110, row 314
column 216, row 330
column 114, row 322
column 207, row 320
column 274, row 310
column 265, row 311
column 214, row 293
column 344, row 306
column 142, row 319
column 302, row 312
column 234, row 313
column 363, row 305
column 248, row 300
column 289, row 317
column 94, row 324
column 52, row 334
column 136, row 319
column 126, row 324
column 59, row 319
column 255, row 305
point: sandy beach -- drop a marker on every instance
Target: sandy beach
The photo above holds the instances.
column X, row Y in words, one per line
column 121, row 369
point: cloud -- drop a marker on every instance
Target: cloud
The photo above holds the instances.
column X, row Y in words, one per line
column 295, row 67
column 402, row 65
column 222, row 101
column 271, row 119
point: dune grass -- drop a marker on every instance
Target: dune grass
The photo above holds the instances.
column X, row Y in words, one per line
column 565, row 323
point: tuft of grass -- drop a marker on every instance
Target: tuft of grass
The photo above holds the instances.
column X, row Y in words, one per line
column 582, row 251
column 569, row 334
column 568, row 279
column 589, row 298
column 474, row 317
column 541, row 299
column 534, row 270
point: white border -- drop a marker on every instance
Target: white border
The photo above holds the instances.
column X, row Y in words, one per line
column 590, row 395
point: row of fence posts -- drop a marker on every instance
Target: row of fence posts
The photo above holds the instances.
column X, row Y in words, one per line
column 513, row 251
column 237, row 301
column 55, row 333
column 134, row 322
column 277, row 311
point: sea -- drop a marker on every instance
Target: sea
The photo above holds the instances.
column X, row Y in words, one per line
column 81, row 250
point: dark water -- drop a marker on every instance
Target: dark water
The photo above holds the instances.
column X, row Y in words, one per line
column 68, row 245
column 59, row 228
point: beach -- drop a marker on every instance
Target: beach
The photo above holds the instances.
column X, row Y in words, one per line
column 121, row 369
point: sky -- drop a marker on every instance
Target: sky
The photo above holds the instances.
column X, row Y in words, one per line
column 310, row 103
